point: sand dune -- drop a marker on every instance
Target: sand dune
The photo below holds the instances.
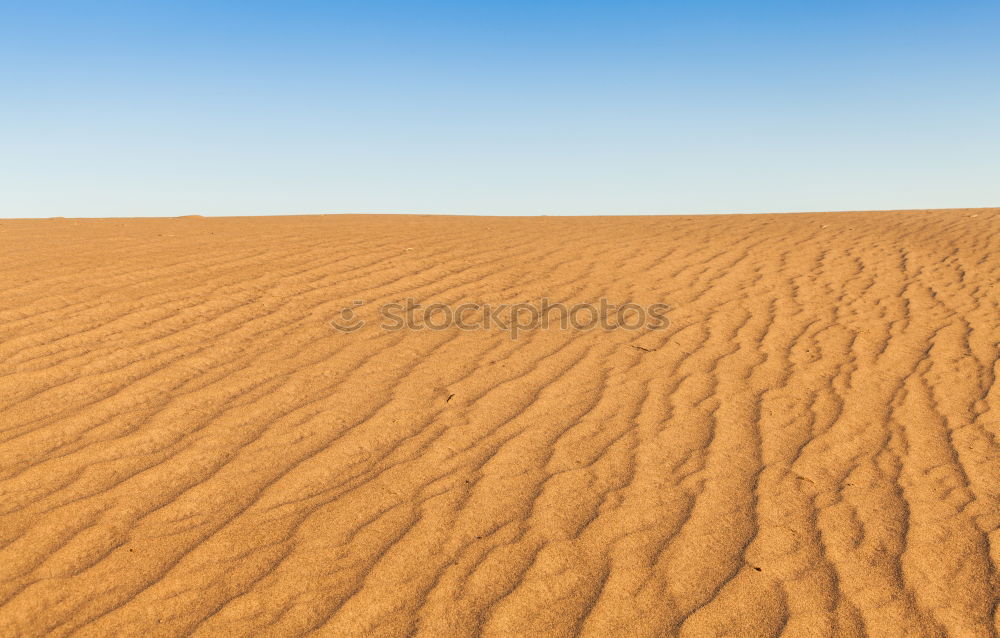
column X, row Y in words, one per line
column 811, row 447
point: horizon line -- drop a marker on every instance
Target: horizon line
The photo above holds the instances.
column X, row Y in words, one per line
column 502, row 215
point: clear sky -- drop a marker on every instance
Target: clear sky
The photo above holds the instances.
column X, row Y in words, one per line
column 518, row 107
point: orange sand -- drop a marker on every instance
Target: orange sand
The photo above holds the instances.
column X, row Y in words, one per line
column 811, row 448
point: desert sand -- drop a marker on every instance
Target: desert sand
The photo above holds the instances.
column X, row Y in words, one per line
column 811, row 447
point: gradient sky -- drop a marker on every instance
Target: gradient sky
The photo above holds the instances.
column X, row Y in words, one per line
column 542, row 107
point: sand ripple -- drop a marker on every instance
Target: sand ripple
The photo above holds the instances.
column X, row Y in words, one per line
column 811, row 448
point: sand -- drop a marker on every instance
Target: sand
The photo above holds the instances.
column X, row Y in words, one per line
column 811, row 447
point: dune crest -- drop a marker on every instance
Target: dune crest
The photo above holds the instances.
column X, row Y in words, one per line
column 810, row 447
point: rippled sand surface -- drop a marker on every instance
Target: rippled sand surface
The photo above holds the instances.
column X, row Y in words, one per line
column 811, row 447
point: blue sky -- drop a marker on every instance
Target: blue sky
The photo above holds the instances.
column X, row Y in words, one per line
column 545, row 107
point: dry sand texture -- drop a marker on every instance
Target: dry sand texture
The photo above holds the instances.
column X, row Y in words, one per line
column 809, row 449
